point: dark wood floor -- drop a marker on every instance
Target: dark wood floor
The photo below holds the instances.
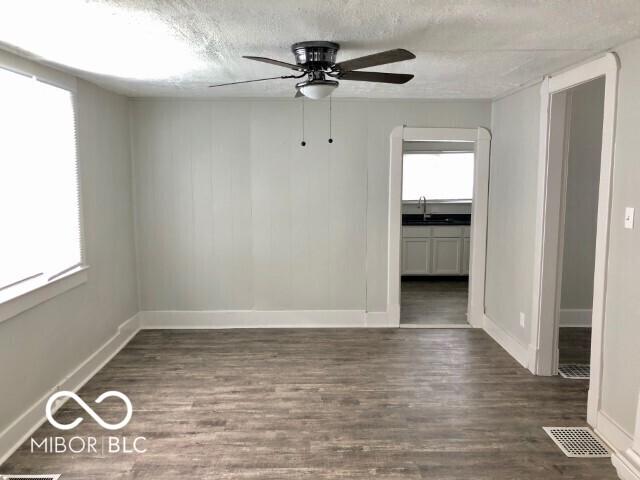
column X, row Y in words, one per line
column 326, row 404
column 575, row 345
column 434, row 300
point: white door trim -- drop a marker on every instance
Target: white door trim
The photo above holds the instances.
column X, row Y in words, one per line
column 482, row 141
column 544, row 320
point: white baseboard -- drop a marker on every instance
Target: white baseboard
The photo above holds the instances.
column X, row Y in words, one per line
column 507, row 341
column 575, row 317
column 623, row 458
column 627, row 465
column 221, row 319
column 627, row 461
column 393, row 313
column 23, row 427
column 612, row 433
column 379, row 320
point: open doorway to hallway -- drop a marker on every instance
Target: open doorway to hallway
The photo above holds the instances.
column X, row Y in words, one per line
column 437, row 198
column 583, row 107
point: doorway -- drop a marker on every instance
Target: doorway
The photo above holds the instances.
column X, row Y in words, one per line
column 555, row 220
column 437, row 199
column 448, row 260
column 581, row 111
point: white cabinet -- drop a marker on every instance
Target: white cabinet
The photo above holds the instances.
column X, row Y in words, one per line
column 418, row 231
column 435, row 250
column 447, row 256
column 466, row 255
column 416, row 256
column 446, row 232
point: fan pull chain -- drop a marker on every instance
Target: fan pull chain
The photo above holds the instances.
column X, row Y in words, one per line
column 330, row 117
column 303, row 142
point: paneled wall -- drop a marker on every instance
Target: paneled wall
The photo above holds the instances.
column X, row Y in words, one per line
column 512, row 203
column 514, row 161
column 620, row 381
column 233, row 214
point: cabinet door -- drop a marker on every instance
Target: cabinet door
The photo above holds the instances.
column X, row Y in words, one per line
column 415, row 256
column 466, row 255
column 447, row 256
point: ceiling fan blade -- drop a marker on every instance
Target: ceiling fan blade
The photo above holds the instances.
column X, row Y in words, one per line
column 290, row 66
column 251, row 81
column 379, row 77
column 381, row 58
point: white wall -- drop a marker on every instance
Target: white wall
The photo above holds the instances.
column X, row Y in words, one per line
column 39, row 347
column 232, row 213
column 512, row 203
column 583, row 178
column 621, row 382
column 514, row 162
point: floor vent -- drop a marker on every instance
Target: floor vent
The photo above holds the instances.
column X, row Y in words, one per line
column 574, row 371
column 578, row 442
column 30, row 477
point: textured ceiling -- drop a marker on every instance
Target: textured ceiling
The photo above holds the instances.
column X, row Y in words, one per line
column 464, row 48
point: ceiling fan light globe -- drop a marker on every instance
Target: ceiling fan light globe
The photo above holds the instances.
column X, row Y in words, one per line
column 318, row 90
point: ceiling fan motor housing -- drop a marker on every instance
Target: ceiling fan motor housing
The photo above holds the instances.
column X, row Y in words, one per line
column 316, row 55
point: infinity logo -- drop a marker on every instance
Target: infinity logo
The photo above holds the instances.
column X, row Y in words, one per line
column 89, row 410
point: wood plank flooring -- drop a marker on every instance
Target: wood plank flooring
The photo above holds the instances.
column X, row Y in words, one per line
column 574, row 344
column 325, row 404
column 434, row 301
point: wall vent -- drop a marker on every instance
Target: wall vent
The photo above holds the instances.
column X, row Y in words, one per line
column 574, row 371
column 578, row 442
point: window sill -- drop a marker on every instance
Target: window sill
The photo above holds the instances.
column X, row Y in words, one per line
column 27, row 295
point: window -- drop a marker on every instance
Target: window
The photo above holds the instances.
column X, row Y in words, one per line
column 437, row 176
column 39, row 209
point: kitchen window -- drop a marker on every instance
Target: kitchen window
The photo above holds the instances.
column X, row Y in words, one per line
column 438, row 176
column 39, row 199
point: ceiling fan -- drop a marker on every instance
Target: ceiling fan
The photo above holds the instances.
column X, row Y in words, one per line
column 317, row 62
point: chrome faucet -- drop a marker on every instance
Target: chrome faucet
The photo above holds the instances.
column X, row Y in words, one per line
column 423, row 201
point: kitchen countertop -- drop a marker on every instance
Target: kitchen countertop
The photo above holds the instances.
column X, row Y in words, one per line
column 417, row 219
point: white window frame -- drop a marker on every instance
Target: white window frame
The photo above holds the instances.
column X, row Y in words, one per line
column 27, row 294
